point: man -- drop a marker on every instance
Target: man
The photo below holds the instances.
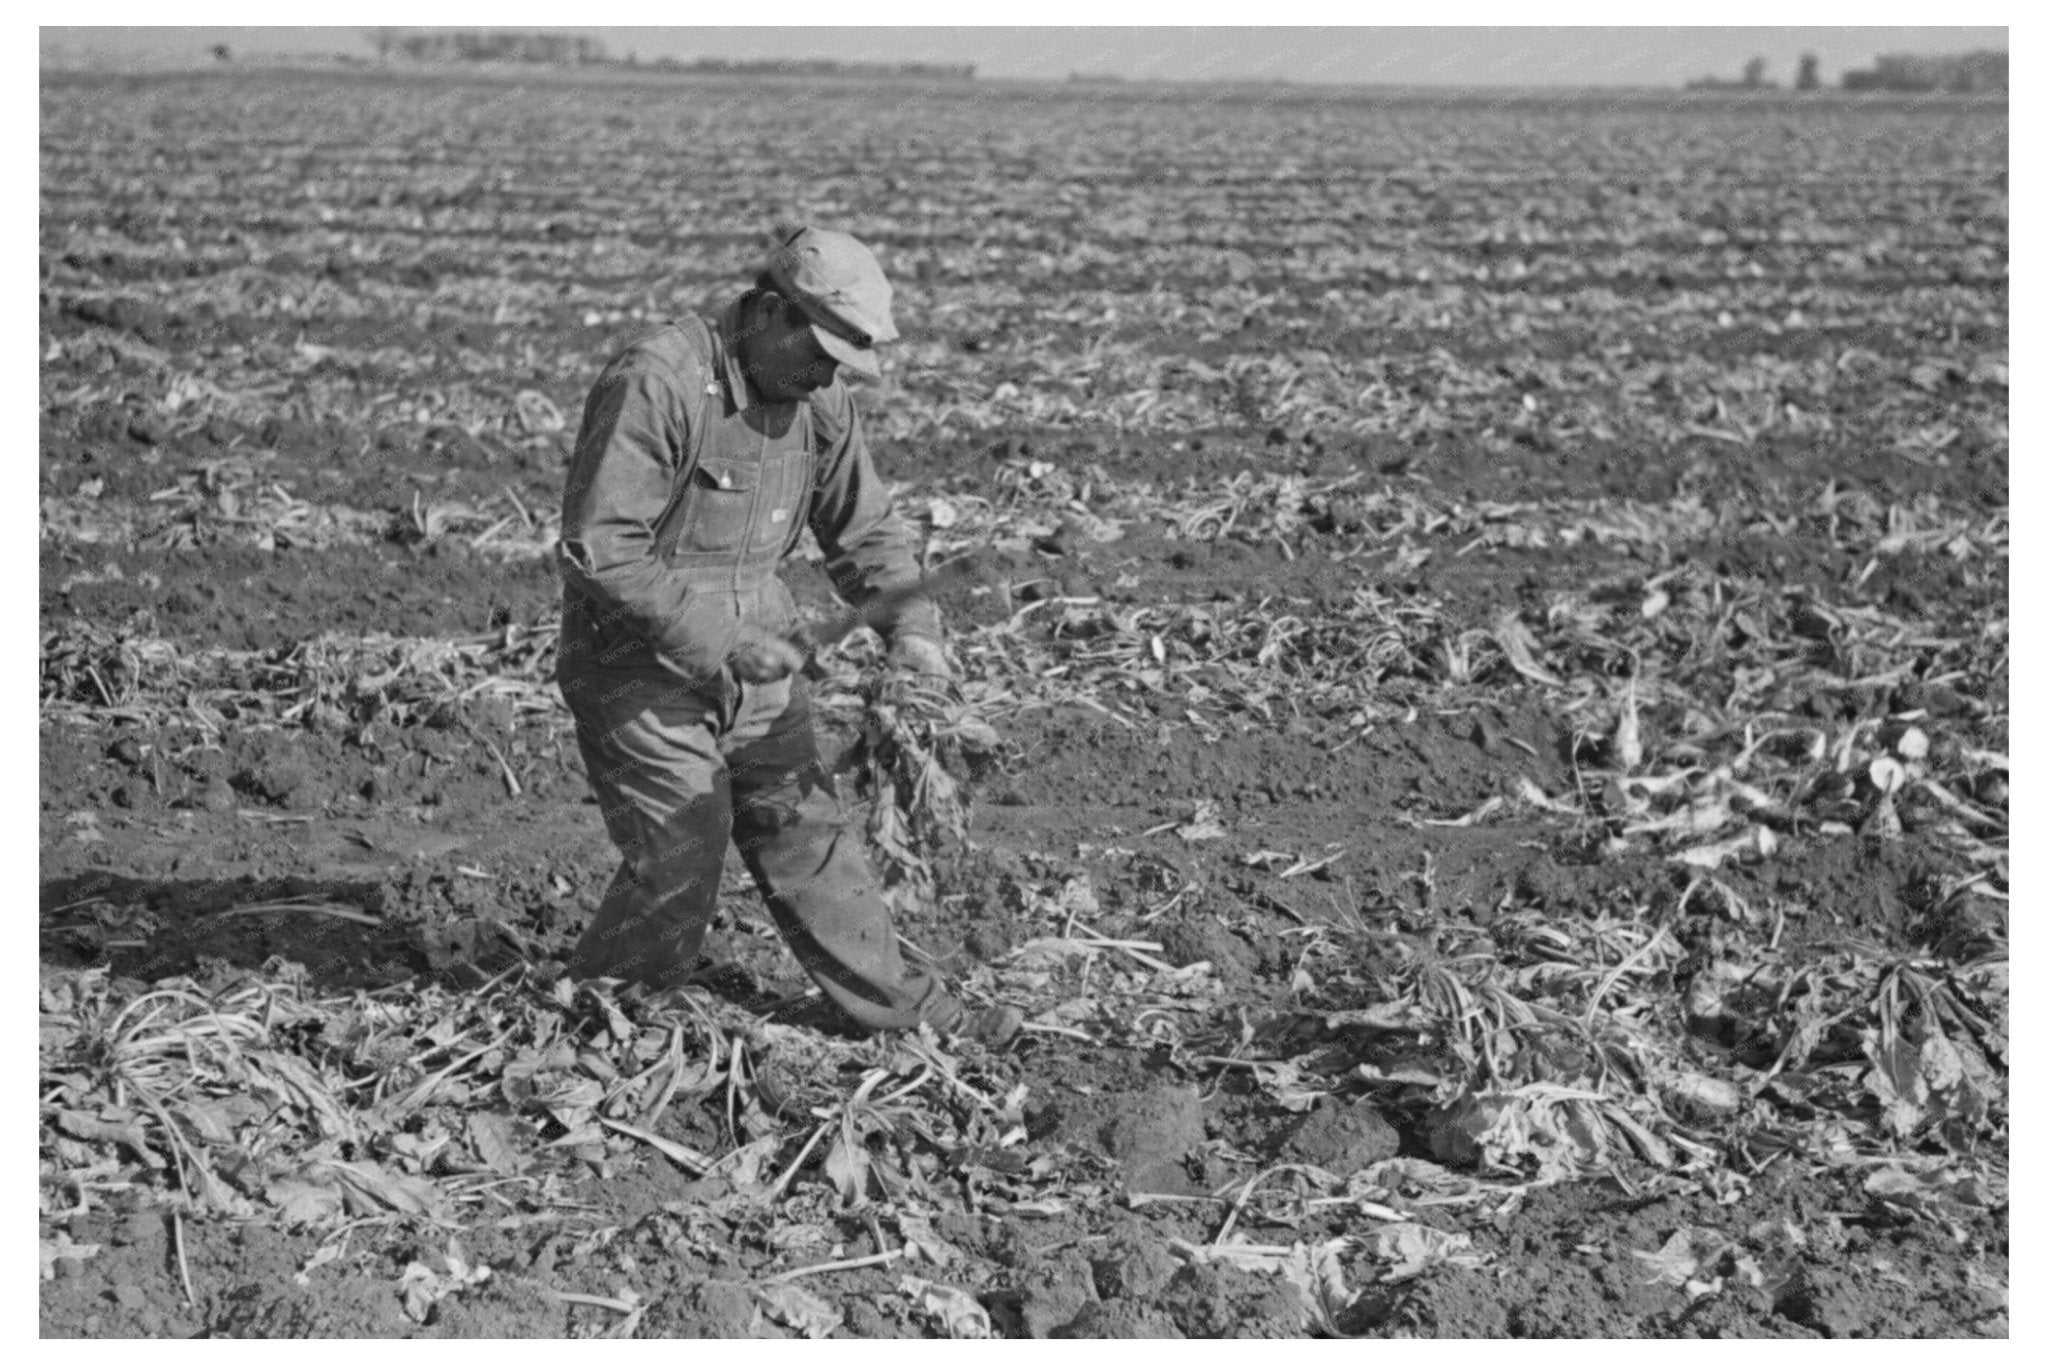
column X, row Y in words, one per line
column 705, row 448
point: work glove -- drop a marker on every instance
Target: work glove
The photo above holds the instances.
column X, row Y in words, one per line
column 763, row 657
column 914, row 653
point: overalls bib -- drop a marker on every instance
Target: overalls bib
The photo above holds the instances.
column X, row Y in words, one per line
column 737, row 509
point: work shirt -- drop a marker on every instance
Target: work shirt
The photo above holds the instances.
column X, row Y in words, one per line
column 670, row 540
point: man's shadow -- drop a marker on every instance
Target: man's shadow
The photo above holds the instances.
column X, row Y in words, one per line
column 342, row 932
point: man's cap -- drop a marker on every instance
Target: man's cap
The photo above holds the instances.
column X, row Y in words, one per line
column 839, row 286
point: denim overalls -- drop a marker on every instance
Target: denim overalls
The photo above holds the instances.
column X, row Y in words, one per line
column 681, row 762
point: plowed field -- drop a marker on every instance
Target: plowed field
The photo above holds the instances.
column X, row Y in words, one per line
column 1500, row 644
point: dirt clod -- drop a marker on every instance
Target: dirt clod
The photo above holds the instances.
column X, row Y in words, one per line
column 1343, row 1137
column 1222, row 1301
column 1133, row 1266
column 1054, row 1292
column 1149, row 1133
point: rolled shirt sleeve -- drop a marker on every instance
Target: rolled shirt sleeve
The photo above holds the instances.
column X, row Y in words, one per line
column 621, row 481
column 869, row 549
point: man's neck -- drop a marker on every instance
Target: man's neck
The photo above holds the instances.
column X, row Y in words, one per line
column 738, row 327
column 753, row 324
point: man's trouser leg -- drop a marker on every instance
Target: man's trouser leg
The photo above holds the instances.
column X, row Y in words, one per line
column 811, row 867
column 650, row 748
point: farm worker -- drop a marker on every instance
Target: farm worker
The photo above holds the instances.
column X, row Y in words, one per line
column 705, row 448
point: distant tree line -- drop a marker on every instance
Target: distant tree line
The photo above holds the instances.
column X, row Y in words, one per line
column 818, row 66
column 1753, row 78
column 1963, row 73
column 476, row 45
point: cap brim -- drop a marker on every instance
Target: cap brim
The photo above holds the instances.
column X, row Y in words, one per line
column 860, row 359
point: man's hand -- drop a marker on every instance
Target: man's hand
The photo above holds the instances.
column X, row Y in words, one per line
column 919, row 654
column 764, row 657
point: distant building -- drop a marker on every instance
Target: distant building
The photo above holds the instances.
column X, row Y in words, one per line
column 1960, row 73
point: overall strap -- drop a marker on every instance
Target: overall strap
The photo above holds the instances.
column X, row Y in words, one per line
column 699, row 333
column 707, row 351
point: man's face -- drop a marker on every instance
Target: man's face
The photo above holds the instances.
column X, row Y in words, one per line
column 784, row 359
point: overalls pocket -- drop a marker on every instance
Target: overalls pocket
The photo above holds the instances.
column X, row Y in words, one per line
column 717, row 508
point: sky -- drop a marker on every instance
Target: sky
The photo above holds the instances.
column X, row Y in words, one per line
column 1471, row 56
